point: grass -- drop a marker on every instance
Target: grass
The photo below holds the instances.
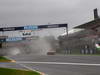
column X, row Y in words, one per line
column 7, row 71
column 3, row 59
column 81, row 54
column 85, row 54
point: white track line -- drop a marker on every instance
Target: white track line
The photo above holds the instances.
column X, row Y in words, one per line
column 21, row 64
column 58, row 63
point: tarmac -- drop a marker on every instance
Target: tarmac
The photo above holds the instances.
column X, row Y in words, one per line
column 60, row 64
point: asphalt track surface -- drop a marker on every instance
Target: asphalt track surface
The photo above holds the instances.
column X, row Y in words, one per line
column 60, row 64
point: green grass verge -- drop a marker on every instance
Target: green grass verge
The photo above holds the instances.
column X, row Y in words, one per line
column 7, row 71
column 84, row 54
column 80, row 54
column 4, row 59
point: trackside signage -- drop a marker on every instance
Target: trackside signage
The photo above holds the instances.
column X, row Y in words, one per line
column 52, row 26
column 14, row 39
column 32, row 27
column 9, row 29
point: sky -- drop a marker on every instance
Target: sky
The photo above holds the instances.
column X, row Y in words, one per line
column 42, row 12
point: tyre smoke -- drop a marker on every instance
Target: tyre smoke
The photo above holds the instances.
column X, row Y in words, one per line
column 38, row 46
